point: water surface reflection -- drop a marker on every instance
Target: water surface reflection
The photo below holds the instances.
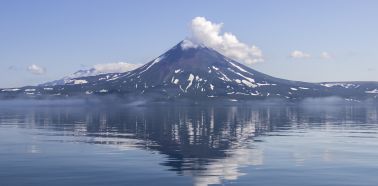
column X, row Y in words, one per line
column 214, row 144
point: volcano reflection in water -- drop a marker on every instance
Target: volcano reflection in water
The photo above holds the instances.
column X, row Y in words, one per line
column 211, row 144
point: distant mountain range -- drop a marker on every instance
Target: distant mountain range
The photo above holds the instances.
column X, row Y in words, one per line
column 94, row 71
column 198, row 73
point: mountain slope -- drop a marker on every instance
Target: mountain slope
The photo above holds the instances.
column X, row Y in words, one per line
column 201, row 73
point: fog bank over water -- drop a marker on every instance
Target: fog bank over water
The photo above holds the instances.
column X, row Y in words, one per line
column 140, row 101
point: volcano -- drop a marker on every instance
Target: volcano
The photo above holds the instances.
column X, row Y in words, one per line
column 196, row 72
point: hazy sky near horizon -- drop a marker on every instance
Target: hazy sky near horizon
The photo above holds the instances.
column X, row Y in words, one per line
column 318, row 40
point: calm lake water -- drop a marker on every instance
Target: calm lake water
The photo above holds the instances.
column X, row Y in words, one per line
column 268, row 145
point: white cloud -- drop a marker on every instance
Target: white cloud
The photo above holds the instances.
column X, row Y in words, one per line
column 325, row 55
column 188, row 44
column 35, row 69
column 297, row 54
column 105, row 68
column 209, row 34
column 114, row 67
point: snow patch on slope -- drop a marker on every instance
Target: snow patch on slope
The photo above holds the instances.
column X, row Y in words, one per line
column 10, row 90
column 157, row 60
column 190, row 79
column 79, row 81
column 345, row 85
column 375, row 91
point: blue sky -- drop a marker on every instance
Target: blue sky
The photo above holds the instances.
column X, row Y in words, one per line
column 64, row 36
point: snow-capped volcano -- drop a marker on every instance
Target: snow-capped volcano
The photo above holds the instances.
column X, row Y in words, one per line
column 199, row 72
